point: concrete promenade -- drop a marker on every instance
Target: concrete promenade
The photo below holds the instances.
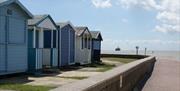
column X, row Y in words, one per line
column 165, row 77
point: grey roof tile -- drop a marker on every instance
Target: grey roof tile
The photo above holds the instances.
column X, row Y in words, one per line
column 36, row 19
column 62, row 24
column 80, row 30
column 95, row 35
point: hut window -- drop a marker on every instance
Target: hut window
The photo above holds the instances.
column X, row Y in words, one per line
column 86, row 41
column 37, row 39
column 47, row 39
column 54, row 39
column 89, row 43
column 9, row 12
column 82, row 42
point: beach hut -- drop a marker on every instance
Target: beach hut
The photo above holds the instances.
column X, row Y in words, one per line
column 13, row 37
column 66, row 44
column 42, row 43
column 83, row 45
column 96, row 45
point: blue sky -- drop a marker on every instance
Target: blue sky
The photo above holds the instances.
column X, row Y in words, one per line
column 123, row 23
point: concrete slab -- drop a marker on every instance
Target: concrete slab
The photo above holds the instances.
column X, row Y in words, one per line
column 78, row 74
column 50, row 81
column 165, row 77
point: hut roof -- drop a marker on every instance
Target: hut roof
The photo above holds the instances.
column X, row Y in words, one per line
column 36, row 19
column 96, row 35
column 7, row 2
column 81, row 29
column 63, row 24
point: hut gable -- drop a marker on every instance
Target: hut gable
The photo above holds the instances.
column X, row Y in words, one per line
column 14, row 7
column 63, row 25
column 81, row 30
column 43, row 21
column 47, row 23
column 96, row 35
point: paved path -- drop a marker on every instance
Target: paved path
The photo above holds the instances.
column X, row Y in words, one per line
column 165, row 77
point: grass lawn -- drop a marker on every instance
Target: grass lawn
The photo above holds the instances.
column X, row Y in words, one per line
column 21, row 87
column 75, row 77
column 122, row 60
column 102, row 67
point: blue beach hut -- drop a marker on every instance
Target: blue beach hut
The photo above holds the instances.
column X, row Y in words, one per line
column 13, row 37
column 96, row 45
column 66, row 43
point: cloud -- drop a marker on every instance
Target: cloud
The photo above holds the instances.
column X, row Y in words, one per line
column 102, row 3
column 168, row 12
column 124, row 20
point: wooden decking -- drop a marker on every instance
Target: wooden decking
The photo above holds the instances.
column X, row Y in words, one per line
column 165, row 77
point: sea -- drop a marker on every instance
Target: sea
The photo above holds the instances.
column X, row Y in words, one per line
column 173, row 55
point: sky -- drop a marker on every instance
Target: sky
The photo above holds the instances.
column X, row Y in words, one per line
column 151, row 24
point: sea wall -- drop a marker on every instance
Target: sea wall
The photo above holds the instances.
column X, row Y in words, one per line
column 124, row 56
column 123, row 78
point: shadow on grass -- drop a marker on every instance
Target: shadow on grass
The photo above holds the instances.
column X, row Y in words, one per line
column 20, row 78
column 103, row 67
column 17, row 82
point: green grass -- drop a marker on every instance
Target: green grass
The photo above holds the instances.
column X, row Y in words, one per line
column 21, row 87
column 122, row 60
column 75, row 77
column 102, row 67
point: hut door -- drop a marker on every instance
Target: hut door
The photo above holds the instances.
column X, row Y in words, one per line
column 16, row 52
column 3, row 44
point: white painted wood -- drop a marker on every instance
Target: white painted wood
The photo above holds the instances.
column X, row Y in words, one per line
column 39, row 58
column 41, row 38
column 36, row 59
column 34, row 37
column 55, row 57
column 47, row 57
column 82, row 56
column 47, row 23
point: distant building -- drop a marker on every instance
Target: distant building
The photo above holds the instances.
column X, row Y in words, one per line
column 66, row 44
column 117, row 49
column 13, row 37
column 96, row 45
column 42, row 43
column 83, row 45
